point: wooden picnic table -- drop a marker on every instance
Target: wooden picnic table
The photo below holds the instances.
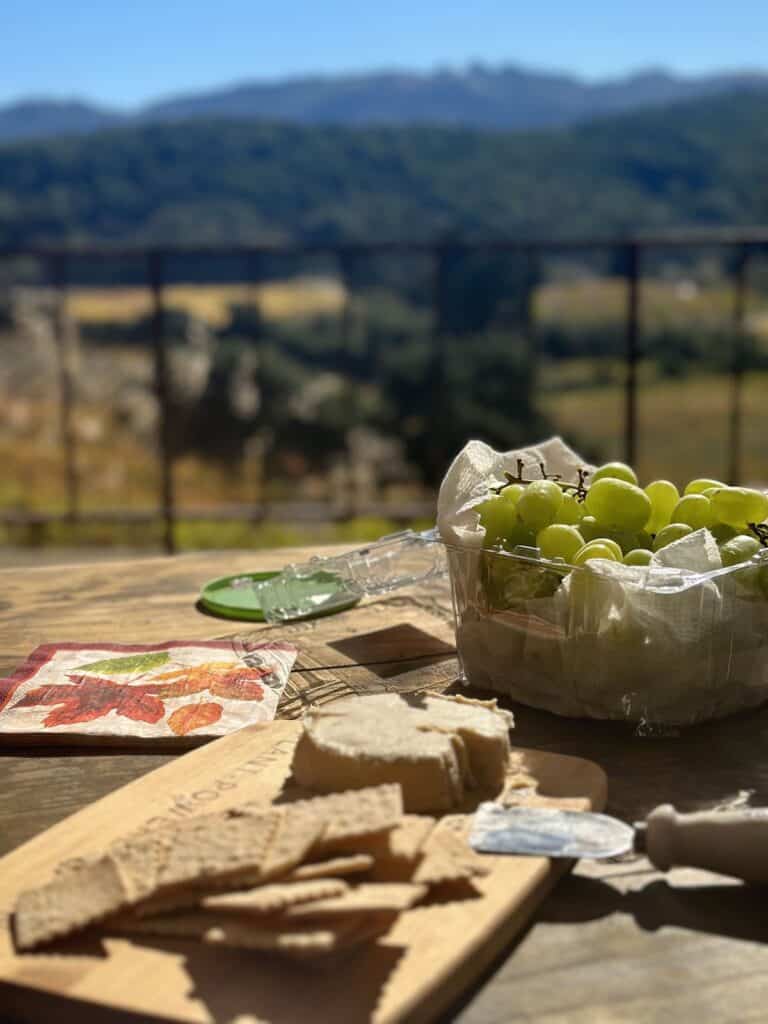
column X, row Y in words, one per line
column 613, row 942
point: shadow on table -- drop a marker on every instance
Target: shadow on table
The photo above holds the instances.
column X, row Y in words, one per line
column 719, row 763
column 731, row 910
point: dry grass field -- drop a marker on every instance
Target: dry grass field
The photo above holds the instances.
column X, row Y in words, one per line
column 683, row 425
column 297, row 298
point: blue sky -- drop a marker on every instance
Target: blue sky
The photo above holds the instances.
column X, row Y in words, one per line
column 129, row 51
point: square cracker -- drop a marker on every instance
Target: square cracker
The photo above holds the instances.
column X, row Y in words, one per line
column 270, row 935
column 269, row 899
column 211, row 852
column 448, row 857
column 297, row 832
column 370, row 898
column 75, row 897
column 353, row 814
column 397, row 852
column 351, row 864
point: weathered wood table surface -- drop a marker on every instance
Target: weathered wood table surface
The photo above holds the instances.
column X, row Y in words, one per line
column 614, row 942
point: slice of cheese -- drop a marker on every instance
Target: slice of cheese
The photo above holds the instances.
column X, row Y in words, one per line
column 436, row 747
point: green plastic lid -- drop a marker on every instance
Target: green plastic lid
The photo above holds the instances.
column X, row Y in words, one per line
column 234, row 597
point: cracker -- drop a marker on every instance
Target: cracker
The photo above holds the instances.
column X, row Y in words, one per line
column 297, row 832
column 209, row 853
column 448, row 857
column 269, row 935
column 269, row 899
column 353, row 814
column 370, row 898
column 76, row 896
column 396, row 853
column 301, row 941
column 189, row 924
column 352, row 864
column 141, row 860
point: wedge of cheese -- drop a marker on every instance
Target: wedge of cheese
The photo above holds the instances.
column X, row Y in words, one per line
column 436, row 747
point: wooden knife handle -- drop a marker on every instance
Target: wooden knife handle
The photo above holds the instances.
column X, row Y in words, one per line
column 729, row 842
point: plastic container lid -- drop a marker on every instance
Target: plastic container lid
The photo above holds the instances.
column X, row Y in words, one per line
column 236, row 597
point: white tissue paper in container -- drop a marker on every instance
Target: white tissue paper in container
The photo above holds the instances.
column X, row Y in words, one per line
column 672, row 643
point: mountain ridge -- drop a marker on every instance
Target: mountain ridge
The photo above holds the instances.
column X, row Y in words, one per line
column 505, row 97
column 702, row 163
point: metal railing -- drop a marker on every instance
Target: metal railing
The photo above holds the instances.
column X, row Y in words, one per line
column 58, row 261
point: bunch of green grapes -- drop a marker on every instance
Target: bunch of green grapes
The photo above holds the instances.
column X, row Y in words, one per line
column 616, row 519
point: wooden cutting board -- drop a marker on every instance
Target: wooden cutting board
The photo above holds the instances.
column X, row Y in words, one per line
column 413, row 974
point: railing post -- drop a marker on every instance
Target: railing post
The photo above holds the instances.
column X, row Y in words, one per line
column 528, row 310
column 737, row 364
column 437, row 364
column 155, row 272
column 59, row 273
column 632, row 351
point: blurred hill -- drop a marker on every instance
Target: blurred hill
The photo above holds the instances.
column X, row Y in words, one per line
column 702, row 162
column 503, row 98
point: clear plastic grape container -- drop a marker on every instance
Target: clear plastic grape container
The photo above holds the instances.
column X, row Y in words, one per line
column 653, row 646
column 674, row 642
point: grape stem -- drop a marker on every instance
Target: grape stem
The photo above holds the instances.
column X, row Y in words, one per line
column 579, row 489
column 760, row 530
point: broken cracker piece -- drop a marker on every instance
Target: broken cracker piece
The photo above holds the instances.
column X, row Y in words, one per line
column 397, row 852
column 368, row 898
column 269, row 899
column 297, row 832
column 209, row 853
column 353, row 814
column 183, row 924
column 82, row 893
column 352, row 864
column 448, row 857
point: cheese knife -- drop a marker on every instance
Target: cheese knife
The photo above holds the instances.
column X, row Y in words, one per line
column 728, row 842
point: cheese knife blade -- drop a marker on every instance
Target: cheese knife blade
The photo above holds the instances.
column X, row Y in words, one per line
column 549, row 832
column 730, row 842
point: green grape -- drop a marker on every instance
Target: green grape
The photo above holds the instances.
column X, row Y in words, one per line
column 619, row 504
column 739, row 549
column 589, row 528
column 498, row 517
column 512, row 493
column 722, row 532
column 509, row 582
column 695, row 510
column 701, row 485
column 627, row 540
column 609, row 542
column 571, row 511
column 559, row 541
column 539, row 505
column 638, row 557
column 615, row 471
column 673, row 532
column 519, row 535
column 595, row 549
column 738, row 506
column 663, row 496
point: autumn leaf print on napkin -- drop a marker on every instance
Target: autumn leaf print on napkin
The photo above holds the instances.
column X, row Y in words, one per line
column 194, row 716
column 92, row 697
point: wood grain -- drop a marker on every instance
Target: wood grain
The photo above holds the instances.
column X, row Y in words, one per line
column 432, row 952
